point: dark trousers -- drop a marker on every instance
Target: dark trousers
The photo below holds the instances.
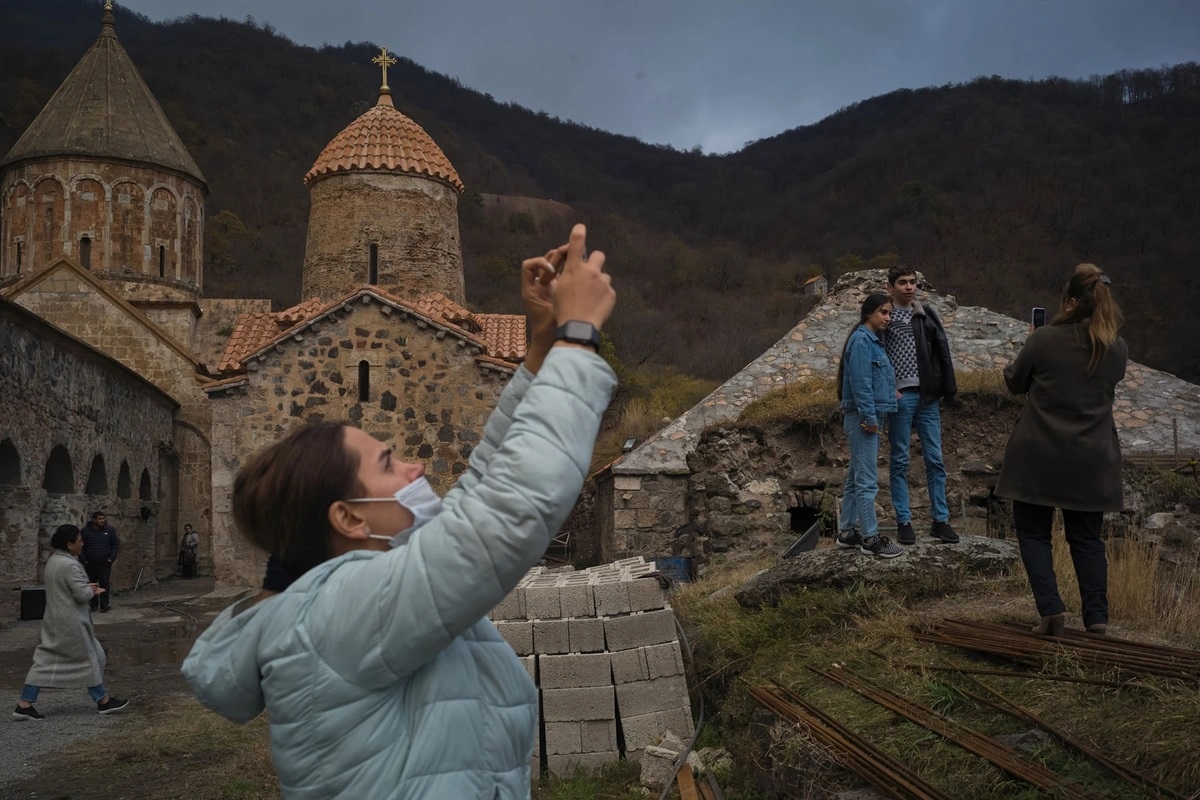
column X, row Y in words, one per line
column 189, row 569
column 1033, row 524
column 99, row 572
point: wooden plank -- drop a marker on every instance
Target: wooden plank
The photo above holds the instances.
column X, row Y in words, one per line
column 687, row 783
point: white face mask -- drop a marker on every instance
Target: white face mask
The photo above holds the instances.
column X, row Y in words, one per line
column 420, row 500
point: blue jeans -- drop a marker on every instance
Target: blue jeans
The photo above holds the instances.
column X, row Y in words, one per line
column 862, row 479
column 30, row 693
column 927, row 419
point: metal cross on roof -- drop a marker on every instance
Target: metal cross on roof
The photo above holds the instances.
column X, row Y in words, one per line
column 108, row 5
column 384, row 60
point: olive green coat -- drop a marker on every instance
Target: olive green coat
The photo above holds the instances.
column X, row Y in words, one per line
column 1063, row 451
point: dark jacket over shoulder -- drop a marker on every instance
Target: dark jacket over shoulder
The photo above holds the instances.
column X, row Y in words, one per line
column 1063, row 451
column 935, row 367
column 100, row 544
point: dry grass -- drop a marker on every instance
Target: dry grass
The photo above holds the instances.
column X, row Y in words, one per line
column 1145, row 593
column 811, row 401
column 172, row 747
column 869, row 629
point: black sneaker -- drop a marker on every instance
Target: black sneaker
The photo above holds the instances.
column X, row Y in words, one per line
column 25, row 714
column 904, row 533
column 112, row 705
column 848, row 539
column 943, row 533
column 880, row 546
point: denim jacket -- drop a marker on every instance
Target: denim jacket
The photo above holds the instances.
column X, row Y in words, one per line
column 868, row 380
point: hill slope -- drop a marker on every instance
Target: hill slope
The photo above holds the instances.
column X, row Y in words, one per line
column 996, row 188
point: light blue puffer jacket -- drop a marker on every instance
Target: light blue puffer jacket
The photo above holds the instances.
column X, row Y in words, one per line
column 381, row 673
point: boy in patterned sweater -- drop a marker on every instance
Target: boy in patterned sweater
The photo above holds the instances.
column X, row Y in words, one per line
column 917, row 346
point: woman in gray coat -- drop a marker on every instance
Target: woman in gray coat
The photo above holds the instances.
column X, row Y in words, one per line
column 1063, row 452
column 69, row 655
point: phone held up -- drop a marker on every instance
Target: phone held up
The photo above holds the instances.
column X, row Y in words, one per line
column 1038, row 317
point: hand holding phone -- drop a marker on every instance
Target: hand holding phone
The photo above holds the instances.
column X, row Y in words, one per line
column 1037, row 317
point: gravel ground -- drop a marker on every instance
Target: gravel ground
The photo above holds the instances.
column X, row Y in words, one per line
column 145, row 641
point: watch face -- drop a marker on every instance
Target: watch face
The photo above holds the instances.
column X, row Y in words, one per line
column 574, row 329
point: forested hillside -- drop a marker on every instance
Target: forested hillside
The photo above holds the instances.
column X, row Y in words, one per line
column 995, row 188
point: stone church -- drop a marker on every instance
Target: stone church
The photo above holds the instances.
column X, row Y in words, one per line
column 129, row 391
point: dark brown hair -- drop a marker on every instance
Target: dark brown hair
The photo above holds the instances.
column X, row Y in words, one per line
column 899, row 271
column 1094, row 305
column 281, row 497
column 63, row 536
column 871, row 304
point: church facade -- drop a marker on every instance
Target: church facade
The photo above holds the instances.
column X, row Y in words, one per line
column 136, row 396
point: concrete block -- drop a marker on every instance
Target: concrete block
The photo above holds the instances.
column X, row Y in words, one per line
column 530, row 663
column 576, row 599
column 566, row 765
column 629, row 665
column 643, row 730
column 574, row 705
column 542, row 602
column 663, row 660
column 535, row 770
column 646, row 595
column 586, row 635
column 550, row 636
column 575, row 670
column 598, row 735
column 511, row 607
column 644, row 697
column 564, row 737
column 611, row 598
column 678, row 721
column 519, row 636
column 639, row 630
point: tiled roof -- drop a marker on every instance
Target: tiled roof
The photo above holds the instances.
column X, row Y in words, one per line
column 438, row 305
column 504, row 335
column 252, row 331
column 105, row 110
column 500, row 336
column 384, row 139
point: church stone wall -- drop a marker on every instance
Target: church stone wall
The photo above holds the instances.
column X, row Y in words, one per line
column 137, row 221
column 426, row 395
column 61, row 394
column 413, row 221
column 67, row 303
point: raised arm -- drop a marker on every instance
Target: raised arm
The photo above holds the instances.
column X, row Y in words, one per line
column 1018, row 375
column 410, row 603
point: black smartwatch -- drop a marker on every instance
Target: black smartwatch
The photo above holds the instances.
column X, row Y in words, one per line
column 578, row 332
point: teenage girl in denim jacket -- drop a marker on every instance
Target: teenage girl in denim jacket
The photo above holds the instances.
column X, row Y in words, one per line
column 867, row 391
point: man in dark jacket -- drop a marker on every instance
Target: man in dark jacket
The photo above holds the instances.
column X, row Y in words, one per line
column 100, row 548
column 920, row 353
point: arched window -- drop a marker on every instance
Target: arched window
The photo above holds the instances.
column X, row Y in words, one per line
column 97, row 482
column 124, row 482
column 144, row 489
column 162, row 261
column 364, row 381
column 60, row 474
column 85, row 252
column 373, row 270
column 10, row 464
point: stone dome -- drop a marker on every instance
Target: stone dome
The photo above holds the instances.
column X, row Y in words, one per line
column 383, row 139
column 104, row 110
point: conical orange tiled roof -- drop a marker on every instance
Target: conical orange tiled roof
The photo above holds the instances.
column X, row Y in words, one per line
column 384, row 139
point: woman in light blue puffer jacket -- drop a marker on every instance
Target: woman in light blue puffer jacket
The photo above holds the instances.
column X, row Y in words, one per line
column 381, row 674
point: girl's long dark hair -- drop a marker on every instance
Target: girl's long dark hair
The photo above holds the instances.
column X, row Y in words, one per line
column 281, row 497
column 1094, row 304
column 871, row 304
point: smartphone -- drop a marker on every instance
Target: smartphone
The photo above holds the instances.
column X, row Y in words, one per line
column 1038, row 317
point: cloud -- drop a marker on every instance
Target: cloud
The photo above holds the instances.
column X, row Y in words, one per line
column 721, row 72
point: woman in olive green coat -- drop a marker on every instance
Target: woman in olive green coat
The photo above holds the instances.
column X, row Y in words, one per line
column 1063, row 452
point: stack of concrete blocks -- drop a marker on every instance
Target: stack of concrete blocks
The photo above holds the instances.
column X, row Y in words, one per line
column 602, row 646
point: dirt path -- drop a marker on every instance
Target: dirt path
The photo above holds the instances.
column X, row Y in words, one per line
column 146, row 635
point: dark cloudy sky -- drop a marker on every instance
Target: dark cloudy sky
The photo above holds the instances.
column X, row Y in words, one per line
column 719, row 73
